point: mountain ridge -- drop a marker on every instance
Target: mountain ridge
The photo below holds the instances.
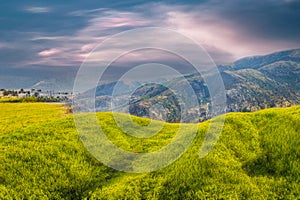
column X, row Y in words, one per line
column 251, row 84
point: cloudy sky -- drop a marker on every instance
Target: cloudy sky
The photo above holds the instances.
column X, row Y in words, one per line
column 47, row 41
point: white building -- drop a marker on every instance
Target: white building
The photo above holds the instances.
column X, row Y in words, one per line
column 22, row 95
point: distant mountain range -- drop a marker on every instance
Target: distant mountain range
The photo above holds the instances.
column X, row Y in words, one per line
column 251, row 84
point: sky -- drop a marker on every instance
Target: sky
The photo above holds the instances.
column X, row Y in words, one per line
column 46, row 41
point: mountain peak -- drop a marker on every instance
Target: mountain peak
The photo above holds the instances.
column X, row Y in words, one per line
column 255, row 62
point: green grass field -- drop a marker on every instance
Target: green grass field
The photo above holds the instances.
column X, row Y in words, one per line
column 42, row 157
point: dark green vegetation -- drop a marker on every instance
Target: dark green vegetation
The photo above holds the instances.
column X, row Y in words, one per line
column 31, row 99
column 32, row 95
column 256, row 157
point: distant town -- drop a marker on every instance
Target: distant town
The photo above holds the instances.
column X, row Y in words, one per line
column 35, row 95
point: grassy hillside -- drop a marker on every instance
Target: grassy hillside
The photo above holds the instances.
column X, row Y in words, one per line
column 14, row 116
column 257, row 156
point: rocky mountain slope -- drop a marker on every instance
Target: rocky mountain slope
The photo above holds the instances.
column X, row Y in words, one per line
column 251, row 84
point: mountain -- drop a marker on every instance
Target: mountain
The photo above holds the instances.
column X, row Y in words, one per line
column 42, row 157
column 251, row 84
column 257, row 62
column 57, row 85
column 46, row 86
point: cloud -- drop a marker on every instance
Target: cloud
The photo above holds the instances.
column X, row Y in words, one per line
column 111, row 21
column 36, row 10
column 290, row 1
column 274, row 20
column 5, row 45
column 227, row 29
column 63, row 50
column 48, row 38
column 64, row 37
column 87, row 12
column 230, row 30
column 88, row 47
column 49, row 52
